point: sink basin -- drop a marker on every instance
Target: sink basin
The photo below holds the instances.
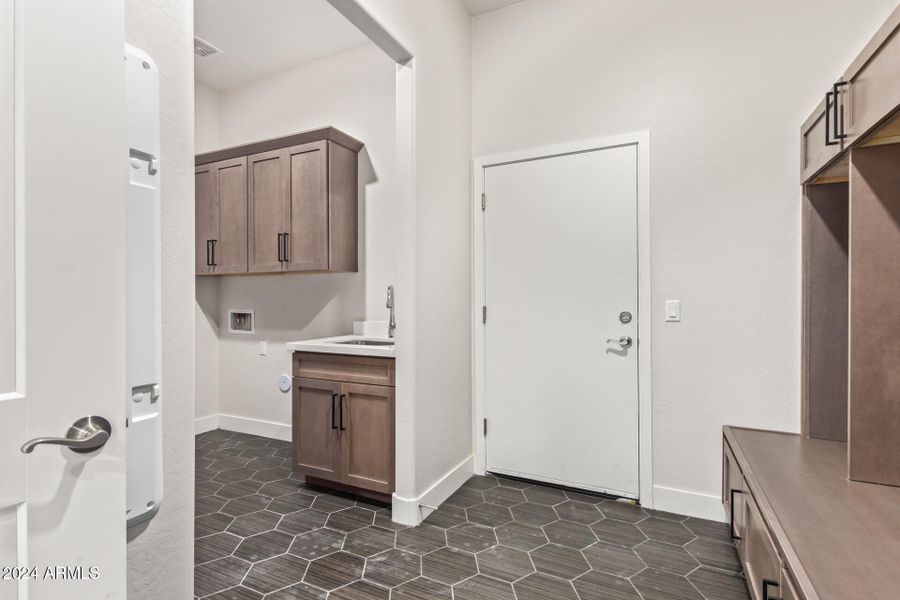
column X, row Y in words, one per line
column 366, row 342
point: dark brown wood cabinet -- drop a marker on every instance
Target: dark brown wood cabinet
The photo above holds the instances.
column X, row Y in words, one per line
column 343, row 421
column 300, row 204
column 220, row 212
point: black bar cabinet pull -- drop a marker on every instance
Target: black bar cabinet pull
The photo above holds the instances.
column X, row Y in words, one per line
column 341, row 403
column 284, row 242
column 731, row 514
column 208, row 253
column 838, row 104
column 766, row 584
column 829, row 102
column 214, row 242
column 333, row 399
column 280, row 247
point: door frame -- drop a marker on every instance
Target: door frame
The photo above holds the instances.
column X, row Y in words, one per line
column 641, row 141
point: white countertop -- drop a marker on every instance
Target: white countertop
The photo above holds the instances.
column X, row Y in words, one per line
column 332, row 345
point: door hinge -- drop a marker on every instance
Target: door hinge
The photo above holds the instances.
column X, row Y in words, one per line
column 484, row 314
column 485, row 427
column 483, row 201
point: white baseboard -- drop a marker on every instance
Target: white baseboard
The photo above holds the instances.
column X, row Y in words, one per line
column 412, row 511
column 683, row 502
column 204, row 424
column 269, row 429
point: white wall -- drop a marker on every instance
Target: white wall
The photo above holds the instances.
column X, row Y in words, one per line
column 160, row 556
column 434, row 260
column 723, row 88
column 353, row 91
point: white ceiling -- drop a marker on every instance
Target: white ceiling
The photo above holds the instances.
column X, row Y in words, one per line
column 259, row 37
column 477, row 7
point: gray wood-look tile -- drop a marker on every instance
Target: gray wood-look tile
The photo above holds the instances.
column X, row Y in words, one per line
column 666, row 557
column 490, row 515
column 334, row 571
column 275, row 573
column 664, row 530
column 543, row 587
column 595, row 585
column 422, row 589
column 254, row 523
column 572, row 535
column 316, row 544
column 449, row 565
column 530, row 513
column 659, row 585
column 521, row 536
column 718, row 585
column 483, row 588
column 250, row 504
column 302, row 521
column 369, row 541
column 264, row 545
column 619, row 533
column 714, row 554
column 504, row 563
column 615, row 560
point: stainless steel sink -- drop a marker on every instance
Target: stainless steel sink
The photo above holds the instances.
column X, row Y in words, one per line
column 366, row 342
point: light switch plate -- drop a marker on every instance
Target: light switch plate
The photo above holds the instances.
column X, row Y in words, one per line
column 673, row 311
column 263, row 348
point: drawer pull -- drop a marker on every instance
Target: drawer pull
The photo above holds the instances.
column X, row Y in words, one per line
column 333, row 399
column 766, row 584
column 731, row 514
column 342, row 412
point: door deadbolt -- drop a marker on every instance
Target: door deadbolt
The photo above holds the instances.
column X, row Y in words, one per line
column 625, row 316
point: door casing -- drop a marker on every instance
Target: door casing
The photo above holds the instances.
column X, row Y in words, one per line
column 641, row 141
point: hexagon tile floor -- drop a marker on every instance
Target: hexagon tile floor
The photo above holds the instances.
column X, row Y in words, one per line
column 262, row 533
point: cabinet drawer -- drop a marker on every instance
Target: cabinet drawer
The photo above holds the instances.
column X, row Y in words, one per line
column 342, row 368
column 814, row 153
column 762, row 564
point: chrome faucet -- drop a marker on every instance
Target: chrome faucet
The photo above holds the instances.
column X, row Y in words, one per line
column 392, row 325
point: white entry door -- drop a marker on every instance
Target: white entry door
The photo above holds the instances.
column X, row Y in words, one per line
column 560, row 279
column 62, row 305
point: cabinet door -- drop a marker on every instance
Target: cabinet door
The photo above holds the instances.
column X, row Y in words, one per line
column 367, row 436
column 268, row 211
column 206, row 217
column 220, row 211
column 762, row 564
column 874, row 87
column 815, row 154
column 230, row 248
column 315, row 428
column 306, row 179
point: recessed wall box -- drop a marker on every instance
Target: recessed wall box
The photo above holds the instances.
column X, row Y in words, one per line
column 241, row 321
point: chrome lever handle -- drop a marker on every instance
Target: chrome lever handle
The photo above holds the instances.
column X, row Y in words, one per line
column 625, row 341
column 85, row 435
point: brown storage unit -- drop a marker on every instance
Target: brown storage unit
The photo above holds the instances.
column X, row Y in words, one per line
column 343, row 421
column 220, row 212
column 300, row 208
column 809, row 530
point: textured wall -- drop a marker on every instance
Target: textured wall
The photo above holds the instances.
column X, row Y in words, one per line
column 160, row 556
column 723, row 88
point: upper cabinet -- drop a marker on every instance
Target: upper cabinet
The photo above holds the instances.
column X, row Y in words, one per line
column 300, row 204
column 220, row 205
column 853, row 106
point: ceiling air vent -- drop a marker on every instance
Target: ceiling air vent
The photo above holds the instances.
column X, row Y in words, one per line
column 202, row 48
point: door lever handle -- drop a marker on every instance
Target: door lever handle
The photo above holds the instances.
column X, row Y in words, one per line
column 85, row 435
column 624, row 342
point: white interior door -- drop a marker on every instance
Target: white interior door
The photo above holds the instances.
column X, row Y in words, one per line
column 62, row 342
column 560, row 267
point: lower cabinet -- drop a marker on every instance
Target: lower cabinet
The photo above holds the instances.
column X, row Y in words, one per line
column 343, row 430
column 762, row 566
